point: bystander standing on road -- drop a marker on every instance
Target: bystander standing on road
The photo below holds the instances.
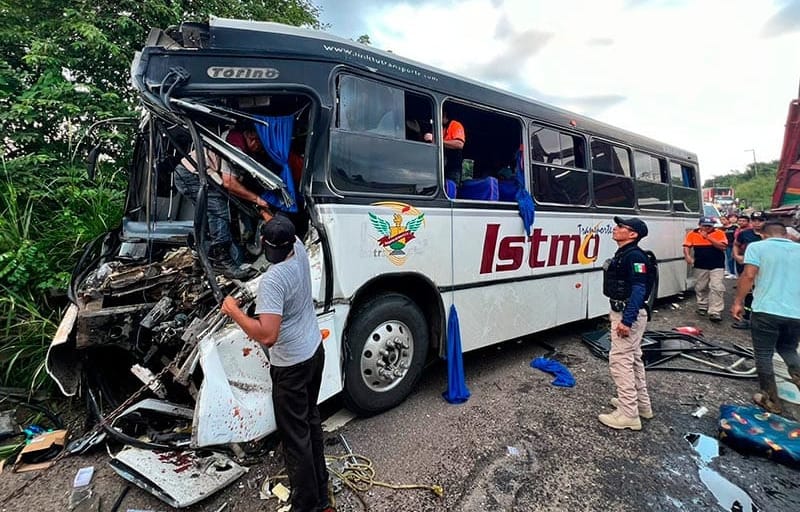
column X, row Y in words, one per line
column 626, row 284
column 704, row 249
column 730, row 227
column 287, row 325
column 744, row 238
column 776, row 308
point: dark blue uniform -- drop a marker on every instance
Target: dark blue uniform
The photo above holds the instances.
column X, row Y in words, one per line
column 625, row 282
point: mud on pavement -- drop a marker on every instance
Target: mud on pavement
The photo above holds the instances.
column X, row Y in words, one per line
column 518, row 444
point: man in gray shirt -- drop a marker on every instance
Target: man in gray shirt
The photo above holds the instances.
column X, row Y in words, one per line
column 287, row 325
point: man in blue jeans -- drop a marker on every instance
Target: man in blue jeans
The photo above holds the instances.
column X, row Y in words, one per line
column 223, row 252
column 775, row 318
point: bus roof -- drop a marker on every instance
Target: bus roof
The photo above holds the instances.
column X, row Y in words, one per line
column 288, row 41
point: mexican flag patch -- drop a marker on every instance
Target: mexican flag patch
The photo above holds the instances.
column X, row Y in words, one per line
column 640, row 268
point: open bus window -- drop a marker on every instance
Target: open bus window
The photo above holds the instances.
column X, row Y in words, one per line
column 558, row 163
column 488, row 161
column 684, row 187
column 611, row 173
column 652, row 181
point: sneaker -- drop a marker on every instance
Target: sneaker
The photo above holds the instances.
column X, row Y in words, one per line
column 702, row 312
column 715, row 317
column 741, row 324
column 731, row 276
column 643, row 413
column 619, row 421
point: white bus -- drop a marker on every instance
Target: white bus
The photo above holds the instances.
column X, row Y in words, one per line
column 393, row 243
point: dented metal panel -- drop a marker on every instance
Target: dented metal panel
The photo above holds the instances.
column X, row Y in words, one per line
column 234, row 403
column 179, row 479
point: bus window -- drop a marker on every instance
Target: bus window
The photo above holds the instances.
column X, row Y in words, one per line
column 558, row 164
column 652, row 184
column 370, row 107
column 488, row 158
column 683, row 178
column 376, row 147
column 611, row 172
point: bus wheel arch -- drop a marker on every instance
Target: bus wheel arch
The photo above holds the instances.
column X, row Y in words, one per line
column 395, row 323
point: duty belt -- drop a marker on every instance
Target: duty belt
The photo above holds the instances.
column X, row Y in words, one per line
column 618, row 305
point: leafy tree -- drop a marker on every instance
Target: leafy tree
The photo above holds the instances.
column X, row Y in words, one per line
column 65, row 64
column 755, row 185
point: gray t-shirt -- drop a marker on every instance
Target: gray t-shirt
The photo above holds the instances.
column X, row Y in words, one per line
column 286, row 290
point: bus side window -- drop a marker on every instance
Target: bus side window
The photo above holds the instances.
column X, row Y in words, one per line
column 652, row 184
column 559, row 167
column 373, row 148
column 487, row 162
column 611, row 171
column 683, row 183
column 378, row 109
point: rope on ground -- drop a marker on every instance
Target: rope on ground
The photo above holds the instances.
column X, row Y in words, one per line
column 358, row 474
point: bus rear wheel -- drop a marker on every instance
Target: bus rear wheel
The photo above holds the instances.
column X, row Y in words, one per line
column 387, row 343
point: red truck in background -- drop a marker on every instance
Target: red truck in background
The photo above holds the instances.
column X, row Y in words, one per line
column 721, row 197
column 786, row 196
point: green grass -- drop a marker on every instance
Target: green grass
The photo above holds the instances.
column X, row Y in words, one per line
column 44, row 225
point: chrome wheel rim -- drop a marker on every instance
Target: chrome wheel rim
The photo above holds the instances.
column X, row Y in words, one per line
column 387, row 355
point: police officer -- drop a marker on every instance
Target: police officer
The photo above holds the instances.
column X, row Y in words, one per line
column 625, row 283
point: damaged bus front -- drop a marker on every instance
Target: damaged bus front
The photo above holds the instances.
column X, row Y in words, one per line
column 146, row 296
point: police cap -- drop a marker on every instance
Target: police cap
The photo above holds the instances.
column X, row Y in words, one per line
column 636, row 225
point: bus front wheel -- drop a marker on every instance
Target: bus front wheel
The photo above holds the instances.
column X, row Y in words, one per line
column 387, row 343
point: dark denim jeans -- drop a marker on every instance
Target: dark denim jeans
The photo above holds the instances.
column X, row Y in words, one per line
column 771, row 333
column 217, row 210
column 730, row 263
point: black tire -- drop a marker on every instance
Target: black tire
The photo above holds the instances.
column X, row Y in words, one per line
column 388, row 318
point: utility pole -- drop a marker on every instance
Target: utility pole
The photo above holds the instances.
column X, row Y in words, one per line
column 755, row 164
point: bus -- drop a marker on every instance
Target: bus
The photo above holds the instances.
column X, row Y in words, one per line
column 393, row 244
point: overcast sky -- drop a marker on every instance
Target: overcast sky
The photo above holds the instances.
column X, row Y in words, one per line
column 711, row 76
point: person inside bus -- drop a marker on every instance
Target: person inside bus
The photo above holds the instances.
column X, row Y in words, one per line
column 453, row 140
column 223, row 252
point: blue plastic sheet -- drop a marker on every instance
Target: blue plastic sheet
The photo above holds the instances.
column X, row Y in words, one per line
column 457, row 392
column 563, row 378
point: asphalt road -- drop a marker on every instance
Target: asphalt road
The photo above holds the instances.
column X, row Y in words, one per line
column 518, row 444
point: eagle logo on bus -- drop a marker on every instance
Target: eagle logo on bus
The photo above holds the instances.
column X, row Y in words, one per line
column 396, row 235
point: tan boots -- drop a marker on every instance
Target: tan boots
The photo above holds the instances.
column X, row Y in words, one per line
column 643, row 413
column 617, row 420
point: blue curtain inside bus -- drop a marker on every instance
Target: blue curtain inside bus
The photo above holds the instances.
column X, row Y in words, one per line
column 276, row 137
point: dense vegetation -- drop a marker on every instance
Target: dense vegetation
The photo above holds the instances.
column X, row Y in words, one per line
column 64, row 64
column 754, row 185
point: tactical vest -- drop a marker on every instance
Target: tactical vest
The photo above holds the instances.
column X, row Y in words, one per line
column 616, row 278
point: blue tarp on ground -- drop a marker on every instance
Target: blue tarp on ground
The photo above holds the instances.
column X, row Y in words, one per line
column 563, row 378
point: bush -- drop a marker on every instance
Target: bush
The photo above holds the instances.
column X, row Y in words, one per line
column 43, row 229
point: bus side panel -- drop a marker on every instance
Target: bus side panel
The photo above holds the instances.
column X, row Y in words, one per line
column 386, row 237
